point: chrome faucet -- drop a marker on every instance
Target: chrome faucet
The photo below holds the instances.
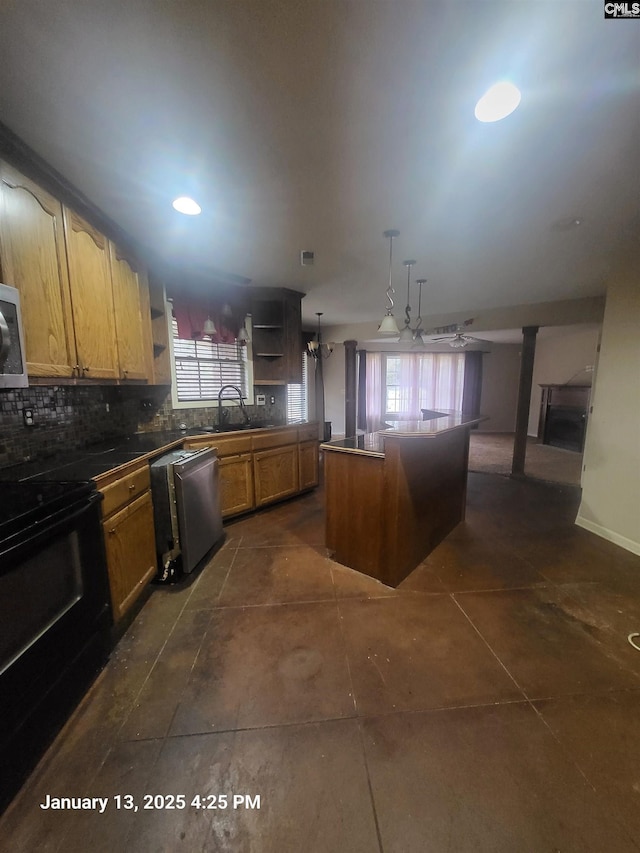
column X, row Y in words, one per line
column 240, row 403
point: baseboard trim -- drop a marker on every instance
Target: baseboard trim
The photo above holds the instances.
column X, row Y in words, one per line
column 609, row 535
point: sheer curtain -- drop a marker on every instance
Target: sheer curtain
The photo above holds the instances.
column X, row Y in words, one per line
column 399, row 385
column 374, row 391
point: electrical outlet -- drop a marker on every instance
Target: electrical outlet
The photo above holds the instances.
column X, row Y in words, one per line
column 261, row 400
column 27, row 417
column 272, row 400
column 589, row 368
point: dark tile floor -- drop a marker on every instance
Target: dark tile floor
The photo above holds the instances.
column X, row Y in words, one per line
column 490, row 703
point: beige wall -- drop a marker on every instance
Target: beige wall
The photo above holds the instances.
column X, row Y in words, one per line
column 562, row 359
column 611, row 480
column 500, row 378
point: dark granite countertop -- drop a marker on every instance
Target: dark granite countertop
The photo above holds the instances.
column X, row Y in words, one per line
column 88, row 463
column 372, row 444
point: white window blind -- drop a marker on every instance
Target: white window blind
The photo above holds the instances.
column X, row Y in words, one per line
column 203, row 367
column 297, row 396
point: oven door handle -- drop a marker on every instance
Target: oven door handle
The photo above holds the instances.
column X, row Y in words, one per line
column 56, row 525
column 5, row 340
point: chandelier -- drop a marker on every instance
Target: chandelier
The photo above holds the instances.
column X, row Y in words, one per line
column 315, row 348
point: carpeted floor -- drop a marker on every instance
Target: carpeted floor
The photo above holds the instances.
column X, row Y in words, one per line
column 491, row 453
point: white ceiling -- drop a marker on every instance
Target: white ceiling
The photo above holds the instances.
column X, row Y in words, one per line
column 318, row 124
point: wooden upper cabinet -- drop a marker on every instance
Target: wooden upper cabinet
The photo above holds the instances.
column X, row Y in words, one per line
column 277, row 336
column 34, row 260
column 91, row 298
column 133, row 339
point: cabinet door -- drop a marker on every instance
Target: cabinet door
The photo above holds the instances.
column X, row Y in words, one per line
column 131, row 552
column 34, row 260
column 91, row 298
column 308, row 464
column 130, row 337
column 293, row 339
column 275, row 474
column 236, row 484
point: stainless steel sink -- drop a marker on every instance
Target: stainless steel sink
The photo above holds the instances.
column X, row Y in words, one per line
column 229, row 427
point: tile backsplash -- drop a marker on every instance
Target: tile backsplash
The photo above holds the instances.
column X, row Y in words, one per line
column 74, row 416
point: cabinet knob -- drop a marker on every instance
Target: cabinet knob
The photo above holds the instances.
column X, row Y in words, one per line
column 132, row 487
column 85, row 369
column 112, row 531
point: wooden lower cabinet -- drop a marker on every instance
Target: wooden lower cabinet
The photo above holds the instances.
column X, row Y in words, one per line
column 131, row 552
column 275, row 473
column 236, row 484
column 261, row 466
column 308, row 465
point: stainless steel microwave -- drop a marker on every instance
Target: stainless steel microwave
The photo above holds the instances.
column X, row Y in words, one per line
column 13, row 365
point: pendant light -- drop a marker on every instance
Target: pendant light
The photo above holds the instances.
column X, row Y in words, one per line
column 243, row 335
column 418, row 343
column 388, row 326
column 406, row 335
column 209, row 327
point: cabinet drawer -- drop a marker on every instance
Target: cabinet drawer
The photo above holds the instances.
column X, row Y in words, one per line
column 274, row 438
column 308, row 432
column 232, row 445
column 224, row 445
column 124, row 490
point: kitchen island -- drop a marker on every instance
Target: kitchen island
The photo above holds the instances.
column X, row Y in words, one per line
column 393, row 495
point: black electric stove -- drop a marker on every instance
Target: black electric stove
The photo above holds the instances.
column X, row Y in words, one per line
column 24, row 505
column 54, row 611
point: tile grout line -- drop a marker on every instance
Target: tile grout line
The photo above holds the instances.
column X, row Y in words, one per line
column 163, row 740
column 541, row 718
column 369, row 784
column 358, row 719
column 470, row 621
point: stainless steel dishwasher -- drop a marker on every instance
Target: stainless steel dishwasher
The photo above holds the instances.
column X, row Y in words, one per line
column 186, row 509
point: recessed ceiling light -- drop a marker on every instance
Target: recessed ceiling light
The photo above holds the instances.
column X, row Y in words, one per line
column 497, row 102
column 187, row 205
column 567, row 224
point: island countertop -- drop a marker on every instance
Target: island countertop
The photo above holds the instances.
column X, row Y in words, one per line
column 373, row 443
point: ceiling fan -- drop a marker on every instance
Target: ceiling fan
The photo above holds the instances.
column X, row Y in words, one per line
column 454, row 335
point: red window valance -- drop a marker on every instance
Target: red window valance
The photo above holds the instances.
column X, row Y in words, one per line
column 191, row 314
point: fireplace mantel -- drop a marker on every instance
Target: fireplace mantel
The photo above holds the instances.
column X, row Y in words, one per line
column 563, row 416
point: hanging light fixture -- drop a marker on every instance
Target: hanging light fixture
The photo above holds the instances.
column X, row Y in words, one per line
column 316, row 349
column 388, row 326
column 209, row 327
column 406, row 335
column 418, row 332
column 243, row 335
